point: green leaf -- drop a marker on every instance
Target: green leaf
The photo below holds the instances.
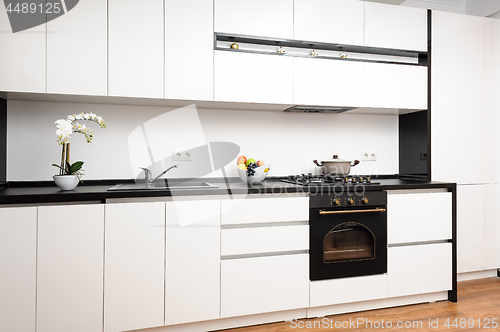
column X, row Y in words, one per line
column 75, row 167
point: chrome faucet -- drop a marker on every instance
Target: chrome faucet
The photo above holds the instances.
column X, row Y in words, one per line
column 148, row 175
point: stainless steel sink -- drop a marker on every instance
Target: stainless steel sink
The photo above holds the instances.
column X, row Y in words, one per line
column 188, row 185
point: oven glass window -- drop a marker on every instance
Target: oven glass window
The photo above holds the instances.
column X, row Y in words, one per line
column 348, row 241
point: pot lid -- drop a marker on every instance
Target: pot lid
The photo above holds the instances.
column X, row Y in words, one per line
column 335, row 160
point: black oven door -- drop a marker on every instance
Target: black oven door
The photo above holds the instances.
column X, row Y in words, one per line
column 347, row 243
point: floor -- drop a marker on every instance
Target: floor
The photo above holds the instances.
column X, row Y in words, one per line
column 477, row 309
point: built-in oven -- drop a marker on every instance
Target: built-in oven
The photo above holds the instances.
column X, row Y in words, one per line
column 348, row 234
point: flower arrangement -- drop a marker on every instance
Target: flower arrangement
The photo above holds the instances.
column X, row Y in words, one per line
column 65, row 129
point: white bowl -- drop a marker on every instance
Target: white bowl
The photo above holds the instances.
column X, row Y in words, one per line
column 259, row 176
column 66, row 182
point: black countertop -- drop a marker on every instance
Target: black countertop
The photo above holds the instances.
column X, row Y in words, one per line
column 47, row 192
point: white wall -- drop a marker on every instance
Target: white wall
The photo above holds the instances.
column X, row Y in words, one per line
column 454, row 6
column 289, row 141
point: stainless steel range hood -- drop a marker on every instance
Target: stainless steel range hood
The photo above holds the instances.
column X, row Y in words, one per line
column 317, row 109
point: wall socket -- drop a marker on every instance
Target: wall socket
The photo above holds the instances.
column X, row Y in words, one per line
column 369, row 156
column 182, row 156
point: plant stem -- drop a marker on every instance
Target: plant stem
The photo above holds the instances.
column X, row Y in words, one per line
column 63, row 159
column 67, row 158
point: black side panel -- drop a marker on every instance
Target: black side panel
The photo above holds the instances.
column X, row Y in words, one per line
column 413, row 136
column 3, row 140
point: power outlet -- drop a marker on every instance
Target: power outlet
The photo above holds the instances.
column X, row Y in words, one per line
column 182, row 156
column 369, row 156
column 186, row 156
column 176, row 155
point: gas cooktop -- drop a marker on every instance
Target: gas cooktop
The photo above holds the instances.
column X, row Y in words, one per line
column 309, row 179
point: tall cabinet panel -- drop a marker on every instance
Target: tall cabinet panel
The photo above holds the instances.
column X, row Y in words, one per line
column 193, row 262
column 18, row 269
column 189, row 49
column 70, row 268
column 134, row 266
column 77, row 50
column 136, row 61
column 458, row 98
column 492, row 227
column 22, row 57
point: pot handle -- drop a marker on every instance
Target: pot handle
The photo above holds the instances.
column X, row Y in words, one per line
column 317, row 164
column 355, row 163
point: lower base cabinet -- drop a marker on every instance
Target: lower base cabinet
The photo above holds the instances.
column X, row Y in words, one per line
column 419, row 269
column 264, row 284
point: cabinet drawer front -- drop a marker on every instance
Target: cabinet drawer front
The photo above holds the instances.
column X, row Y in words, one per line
column 241, row 241
column 260, row 210
column 328, row 292
column 418, row 217
column 264, row 284
column 419, row 269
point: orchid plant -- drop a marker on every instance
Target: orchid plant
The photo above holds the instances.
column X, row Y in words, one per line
column 65, row 129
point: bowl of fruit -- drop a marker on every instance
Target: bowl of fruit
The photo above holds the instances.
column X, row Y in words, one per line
column 252, row 171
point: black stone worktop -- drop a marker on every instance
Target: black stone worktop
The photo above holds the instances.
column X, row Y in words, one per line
column 97, row 190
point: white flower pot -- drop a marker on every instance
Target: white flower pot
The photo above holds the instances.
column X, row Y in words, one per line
column 66, row 182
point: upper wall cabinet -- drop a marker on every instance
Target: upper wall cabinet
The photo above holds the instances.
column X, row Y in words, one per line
column 398, row 27
column 189, row 44
column 262, row 18
column 22, row 58
column 313, row 21
column 136, row 49
column 77, row 50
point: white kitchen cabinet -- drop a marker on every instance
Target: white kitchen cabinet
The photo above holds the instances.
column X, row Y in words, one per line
column 327, row 82
column 18, row 269
column 458, row 98
column 419, row 269
column 193, row 261
column 70, row 268
column 264, row 284
column 22, row 59
column 135, row 49
column 395, row 86
column 407, row 221
column 77, row 45
column 492, row 227
column 313, row 21
column 253, row 78
column 189, row 49
column 134, row 275
column 398, row 27
column 255, row 18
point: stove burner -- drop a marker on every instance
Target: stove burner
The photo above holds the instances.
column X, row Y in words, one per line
column 310, row 179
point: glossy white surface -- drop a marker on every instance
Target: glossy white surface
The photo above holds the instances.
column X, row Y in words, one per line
column 189, row 44
column 77, row 50
column 264, row 284
column 408, row 221
column 70, row 268
column 193, row 261
column 134, row 275
column 18, row 266
column 419, row 269
column 492, row 226
column 136, row 49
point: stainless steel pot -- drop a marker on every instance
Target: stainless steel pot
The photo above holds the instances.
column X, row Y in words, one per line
column 336, row 166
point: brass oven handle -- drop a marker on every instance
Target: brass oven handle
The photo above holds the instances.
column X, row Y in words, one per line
column 351, row 211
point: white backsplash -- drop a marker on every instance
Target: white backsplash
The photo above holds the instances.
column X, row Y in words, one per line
column 288, row 141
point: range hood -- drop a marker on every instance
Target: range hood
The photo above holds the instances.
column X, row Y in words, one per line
column 318, row 109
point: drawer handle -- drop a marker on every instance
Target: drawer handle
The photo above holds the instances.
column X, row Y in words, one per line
column 351, row 211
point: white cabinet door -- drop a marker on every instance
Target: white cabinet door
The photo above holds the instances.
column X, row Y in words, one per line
column 18, row 269
column 253, row 78
column 313, row 21
column 70, row 268
column 327, row 82
column 189, row 49
column 430, row 269
column 77, row 45
column 135, row 46
column 492, row 226
column 418, row 217
column 264, row 284
column 395, row 86
column 261, row 18
column 193, row 261
column 22, row 57
column 134, row 275
column 399, row 27
column 458, row 96
column 471, row 228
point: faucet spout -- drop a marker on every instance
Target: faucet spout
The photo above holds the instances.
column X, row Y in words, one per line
column 165, row 171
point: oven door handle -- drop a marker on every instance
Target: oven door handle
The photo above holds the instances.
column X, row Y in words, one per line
column 352, row 211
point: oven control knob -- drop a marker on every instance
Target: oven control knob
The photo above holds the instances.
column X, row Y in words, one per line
column 350, row 201
column 335, row 201
column 364, row 200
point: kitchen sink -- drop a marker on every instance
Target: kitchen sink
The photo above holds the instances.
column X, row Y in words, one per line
column 188, row 185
